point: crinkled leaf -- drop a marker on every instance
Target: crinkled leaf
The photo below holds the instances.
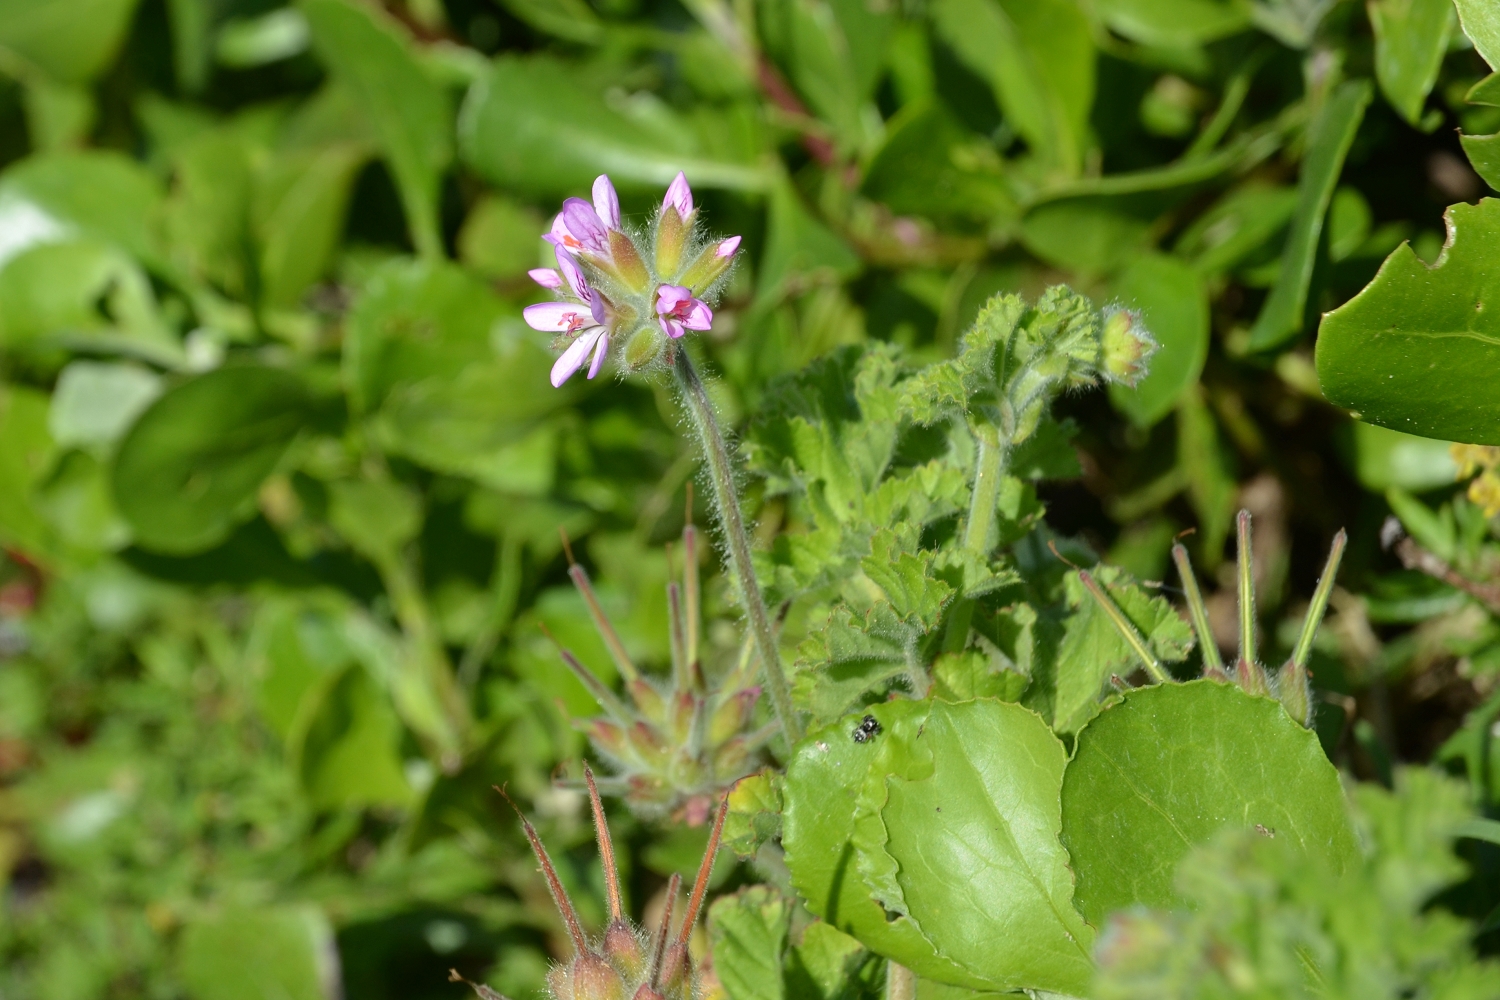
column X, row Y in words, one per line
column 850, row 655
column 748, row 932
column 754, row 813
column 1170, row 767
column 1408, row 351
column 906, row 580
column 1093, row 649
column 973, row 830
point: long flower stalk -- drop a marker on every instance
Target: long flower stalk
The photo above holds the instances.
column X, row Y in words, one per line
column 732, row 522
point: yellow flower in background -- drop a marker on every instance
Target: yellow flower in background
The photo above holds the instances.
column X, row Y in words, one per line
column 1483, row 463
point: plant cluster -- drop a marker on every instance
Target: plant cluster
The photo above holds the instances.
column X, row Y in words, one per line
column 342, row 445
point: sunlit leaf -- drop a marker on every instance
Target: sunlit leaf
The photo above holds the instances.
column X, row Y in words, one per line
column 1408, row 350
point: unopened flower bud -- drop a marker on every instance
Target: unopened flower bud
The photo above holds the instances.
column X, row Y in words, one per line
column 624, row 949
column 1127, row 347
column 629, row 267
column 732, row 714
column 1292, row 690
column 671, row 240
column 644, row 347
column 593, row 978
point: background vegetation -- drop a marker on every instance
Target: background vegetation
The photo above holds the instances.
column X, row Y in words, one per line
column 281, row 475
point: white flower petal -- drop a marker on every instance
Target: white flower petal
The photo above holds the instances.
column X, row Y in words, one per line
column 572, row 358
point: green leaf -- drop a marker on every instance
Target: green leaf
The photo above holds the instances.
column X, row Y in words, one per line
column 1384, row 458
column 71, row 41
column 573, row 20
column 500, row 239
column 347, row 752
column 27, row 453
column 830, row 965
column 373, row 56
column 297, row 216
column 1174, row 23
column 415, row 320
column 1038, row 56
column 1481, row 22
column 94, row 402
column 1328, row 141
column 1093, row 649
column 287, row 952
column 833, row 54
column 930, row 166
column 754, row 813
column 1173, row 765
column 906, row 581
column 1408, row 351
column 376, row 517
column 971, row 819
column 1483, row 152
column 102, row 194
column 1486, row 91
column 1173, row 303
column 1411, row 38
column 187, row 472
column 800, row 249
column 1237, row 226
column 748, row 934
column 825, row 781
column 75, row 501
column 535, row 125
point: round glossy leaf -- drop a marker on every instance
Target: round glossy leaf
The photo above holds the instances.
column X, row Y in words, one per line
column 1170, row 767
column 1417, row 350
column 188, row 470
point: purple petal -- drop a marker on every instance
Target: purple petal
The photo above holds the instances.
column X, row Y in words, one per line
column 570, row 269
column 585, row 225
column 572, row 359
column 546, row 277
column 596, row 305
column 599, row 353
column 560, row 236
column 727, row 247
column 606, row 202
column 669, row 297
column 555, row 317
column 696, row 315
column 671, row 327
column 679, row 196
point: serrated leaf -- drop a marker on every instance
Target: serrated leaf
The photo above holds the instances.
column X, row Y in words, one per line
column 849, row 656
column 748, row 934
column 906, row 579
column 1170, row 767
column 971, row 819
column 1093, row 649
column 754, row 813
column 1408, row 351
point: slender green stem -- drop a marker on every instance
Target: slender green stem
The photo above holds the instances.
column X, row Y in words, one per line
column 1198, row 610
column 1247, row 590
column 1126, row 628
column 732, row 521
column 1319, row 605
column 989, row 469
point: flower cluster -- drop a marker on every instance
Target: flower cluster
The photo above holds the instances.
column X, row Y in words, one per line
column 676, row 744
column 644, row 289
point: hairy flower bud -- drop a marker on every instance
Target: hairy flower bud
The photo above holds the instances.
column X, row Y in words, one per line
column 1127, row 346
column 644, row 347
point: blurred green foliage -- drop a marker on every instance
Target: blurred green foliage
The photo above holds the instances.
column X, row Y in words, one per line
column 281, row 475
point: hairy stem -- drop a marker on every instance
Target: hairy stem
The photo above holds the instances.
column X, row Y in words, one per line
column 731, row 520
column 989, row 470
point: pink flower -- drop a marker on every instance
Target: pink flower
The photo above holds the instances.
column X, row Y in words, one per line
column 677, row 311
column 679, row 196
column 584, row 317
column 606, row 202
column 727, row 248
